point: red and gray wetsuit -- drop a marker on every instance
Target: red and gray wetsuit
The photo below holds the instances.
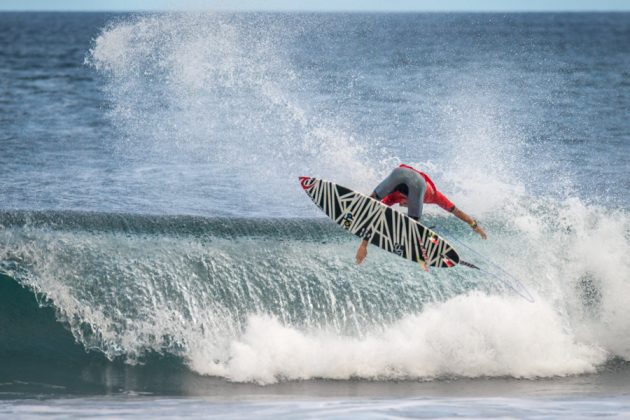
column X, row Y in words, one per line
column 406, row 183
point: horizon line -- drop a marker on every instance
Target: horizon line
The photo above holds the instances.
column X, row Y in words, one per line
column 163, row 10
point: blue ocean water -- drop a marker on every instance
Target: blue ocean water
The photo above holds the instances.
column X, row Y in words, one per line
column 157, row 254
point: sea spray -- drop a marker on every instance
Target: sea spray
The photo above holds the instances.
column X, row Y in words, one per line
column 220, row 91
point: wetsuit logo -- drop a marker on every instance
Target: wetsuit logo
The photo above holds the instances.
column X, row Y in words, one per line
column 347, row 220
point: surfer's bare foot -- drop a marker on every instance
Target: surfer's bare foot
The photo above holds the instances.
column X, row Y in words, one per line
column 361, row 252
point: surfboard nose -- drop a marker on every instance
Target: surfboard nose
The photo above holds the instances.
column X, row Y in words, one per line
column 306, row 182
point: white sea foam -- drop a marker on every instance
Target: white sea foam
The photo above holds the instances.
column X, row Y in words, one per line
column 469, row 336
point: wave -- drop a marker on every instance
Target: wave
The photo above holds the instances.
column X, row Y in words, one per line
column 264, row 300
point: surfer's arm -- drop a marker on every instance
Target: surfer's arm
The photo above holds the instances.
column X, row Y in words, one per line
column 471, row 222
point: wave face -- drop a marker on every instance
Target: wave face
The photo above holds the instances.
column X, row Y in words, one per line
column 266, row 300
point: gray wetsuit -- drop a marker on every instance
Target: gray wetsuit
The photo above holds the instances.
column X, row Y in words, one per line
column 408, row 182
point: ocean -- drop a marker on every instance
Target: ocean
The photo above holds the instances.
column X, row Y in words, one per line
column 159, row 258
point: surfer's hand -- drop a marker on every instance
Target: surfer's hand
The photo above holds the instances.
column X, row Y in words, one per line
column 481, row 232
column 362, row 252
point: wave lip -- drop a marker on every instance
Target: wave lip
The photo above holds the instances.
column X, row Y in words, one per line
column 196, row 226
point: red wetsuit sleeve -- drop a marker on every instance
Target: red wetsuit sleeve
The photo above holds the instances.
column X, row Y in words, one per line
column 442, row 201
column 393, row 198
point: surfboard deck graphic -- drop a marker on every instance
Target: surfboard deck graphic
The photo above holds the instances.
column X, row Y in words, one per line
column 381, row 225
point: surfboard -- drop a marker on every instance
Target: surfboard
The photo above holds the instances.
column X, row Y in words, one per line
column 381, row 225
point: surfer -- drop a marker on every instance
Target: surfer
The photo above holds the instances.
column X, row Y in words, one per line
column 411, row 188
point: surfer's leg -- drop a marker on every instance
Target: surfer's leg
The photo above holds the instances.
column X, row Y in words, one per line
column 389, row 184
column 417, row 187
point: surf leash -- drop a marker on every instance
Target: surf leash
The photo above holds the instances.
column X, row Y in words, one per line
column 519, row 289
column 470, row 265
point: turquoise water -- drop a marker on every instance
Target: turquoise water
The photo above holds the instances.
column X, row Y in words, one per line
column 158, row 257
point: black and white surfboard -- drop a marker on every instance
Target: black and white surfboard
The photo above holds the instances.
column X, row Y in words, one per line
column 381, row 225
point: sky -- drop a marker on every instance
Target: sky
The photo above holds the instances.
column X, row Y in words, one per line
column 322, row 5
